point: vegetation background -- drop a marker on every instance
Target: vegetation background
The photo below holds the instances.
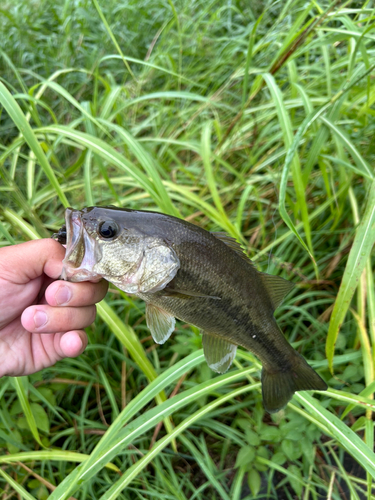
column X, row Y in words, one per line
column 254, row 118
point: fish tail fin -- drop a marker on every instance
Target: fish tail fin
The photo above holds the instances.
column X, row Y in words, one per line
column 279, row 386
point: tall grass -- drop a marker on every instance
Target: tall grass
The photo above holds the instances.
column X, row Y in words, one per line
column 254, row 118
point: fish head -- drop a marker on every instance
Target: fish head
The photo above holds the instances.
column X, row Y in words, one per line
column 115, row 244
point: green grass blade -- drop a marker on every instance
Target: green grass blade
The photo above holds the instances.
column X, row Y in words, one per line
column 360, row 162
column 130, row 341
column 48, row 455
column 144, row 422
column 287, row 130
column 366, row 393
column 210, row 176
column 14, row 69
column 125, row 334
column 352, row 443
column 279, row 468
column 315, row 214
column 150, row 65
column 197, row 202
column 88, row 180
column 4, row 231
column 106, row 152
column 149, row 165
column 60, row 90
column 15, row 112
column 249, row 55
column 133, row 471
column 136, row 405
column 362, row 245
column 355, row 400
column 371, row 303
column 16, row 486
column 19, row 199
column 353, row 493
column 237, row 485
column 113, row 38
column 147, row 394
column 20, row 383
column 109, row 392
column 21, row 224
column 369, row 439
column 368, row 366
column 205, row 467
column 211, row 181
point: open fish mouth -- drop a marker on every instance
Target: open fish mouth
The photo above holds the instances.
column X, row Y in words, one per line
column 81, row 254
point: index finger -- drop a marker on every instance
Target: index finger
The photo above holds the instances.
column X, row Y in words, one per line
column 24, row 262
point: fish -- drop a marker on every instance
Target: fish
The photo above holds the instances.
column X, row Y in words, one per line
column 203, row 278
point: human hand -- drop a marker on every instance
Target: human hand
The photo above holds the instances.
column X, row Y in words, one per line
column 41, row 320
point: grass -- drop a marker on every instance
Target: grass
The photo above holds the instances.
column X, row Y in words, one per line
column 251, row 118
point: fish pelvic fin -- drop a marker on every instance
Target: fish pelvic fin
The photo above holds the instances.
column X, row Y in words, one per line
column 219, row 353
column 278, row 386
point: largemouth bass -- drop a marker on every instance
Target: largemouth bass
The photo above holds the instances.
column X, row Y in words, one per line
column 183, row 271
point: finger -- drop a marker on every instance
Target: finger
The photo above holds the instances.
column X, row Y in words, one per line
column 47, row 319
column 71, row 344
column 40, row 256
column 63, row 293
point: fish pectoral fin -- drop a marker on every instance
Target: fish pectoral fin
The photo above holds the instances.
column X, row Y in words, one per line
column 278, row 386
column 219, row 353
column 277, row 288
column 160, row 323
column 186, row 294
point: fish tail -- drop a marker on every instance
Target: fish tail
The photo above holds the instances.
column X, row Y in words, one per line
column 278, row 386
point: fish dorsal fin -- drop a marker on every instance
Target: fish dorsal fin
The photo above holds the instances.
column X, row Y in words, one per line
column 277, row 288
column 160, row 323
column 232, row 243
column 219, row 353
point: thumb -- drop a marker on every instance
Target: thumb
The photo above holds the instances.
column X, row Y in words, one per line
column 22, row 263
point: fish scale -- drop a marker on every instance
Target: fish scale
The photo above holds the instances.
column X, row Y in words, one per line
column 181, row 270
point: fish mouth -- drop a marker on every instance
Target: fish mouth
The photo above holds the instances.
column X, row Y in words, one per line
column 81, row 255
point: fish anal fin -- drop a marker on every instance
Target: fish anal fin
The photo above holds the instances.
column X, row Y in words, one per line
column 219, row 353
column 233, row 244
column 279, row 386
column 160, row 323
column 277, row 288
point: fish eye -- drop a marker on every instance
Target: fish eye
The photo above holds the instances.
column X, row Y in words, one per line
column 108, row 229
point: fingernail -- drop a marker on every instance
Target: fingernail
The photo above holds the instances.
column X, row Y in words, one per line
column 63, row 295
column 40, row 319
